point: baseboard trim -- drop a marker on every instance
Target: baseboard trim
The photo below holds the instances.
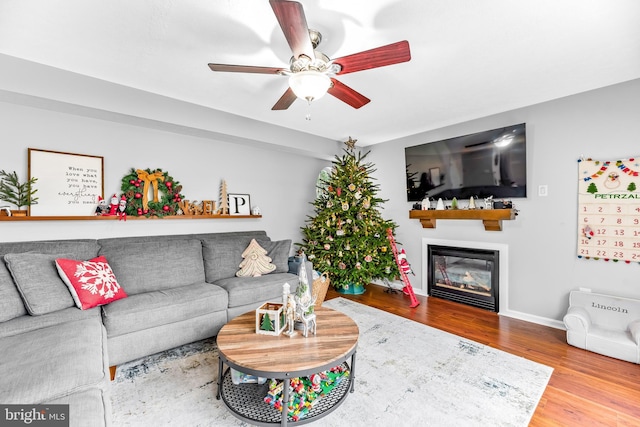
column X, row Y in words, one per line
column 532, row 318
column 545, row 321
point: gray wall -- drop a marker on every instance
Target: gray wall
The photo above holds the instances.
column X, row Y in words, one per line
column 543, row 268
column 282, row 184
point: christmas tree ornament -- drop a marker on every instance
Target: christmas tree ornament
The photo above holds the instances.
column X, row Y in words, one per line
column 345, row 206
column 352, row 187
column 357, row 195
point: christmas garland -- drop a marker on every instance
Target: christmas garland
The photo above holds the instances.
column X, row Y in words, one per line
column 166, row 197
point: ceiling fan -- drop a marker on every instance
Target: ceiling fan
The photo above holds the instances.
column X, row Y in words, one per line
column 311, row 73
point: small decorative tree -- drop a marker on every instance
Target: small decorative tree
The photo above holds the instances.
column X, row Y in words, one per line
column 347, row 236
column 17, row 193
column 224, row 203
column 267, row 325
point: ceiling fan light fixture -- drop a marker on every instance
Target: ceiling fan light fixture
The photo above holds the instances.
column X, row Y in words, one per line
column 309, row 85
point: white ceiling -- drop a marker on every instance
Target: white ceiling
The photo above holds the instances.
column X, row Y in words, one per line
column 470, row 58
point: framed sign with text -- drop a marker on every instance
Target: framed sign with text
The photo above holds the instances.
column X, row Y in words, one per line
column 68, row 184
column 609, row 210
column 239, row 204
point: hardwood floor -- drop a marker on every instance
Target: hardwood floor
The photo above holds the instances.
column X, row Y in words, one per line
column 585, row 389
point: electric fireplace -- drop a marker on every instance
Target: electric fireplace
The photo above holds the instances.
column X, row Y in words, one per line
column 465, row 275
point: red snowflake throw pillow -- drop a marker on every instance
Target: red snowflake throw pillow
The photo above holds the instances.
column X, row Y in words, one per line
column 91, row 283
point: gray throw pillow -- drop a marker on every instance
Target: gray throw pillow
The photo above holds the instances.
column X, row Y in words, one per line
column 278, row 251
column 11, row 305
column 38, row 282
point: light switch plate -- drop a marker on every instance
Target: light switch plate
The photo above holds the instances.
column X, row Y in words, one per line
column 543, row 190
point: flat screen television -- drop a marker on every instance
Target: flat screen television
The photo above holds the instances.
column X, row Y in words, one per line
column 482, row 164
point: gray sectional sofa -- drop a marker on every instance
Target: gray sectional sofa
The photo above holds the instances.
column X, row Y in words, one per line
column 181, row 288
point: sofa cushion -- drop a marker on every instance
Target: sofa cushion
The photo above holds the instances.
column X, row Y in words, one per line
column 278, row 251
column 157, row 265
column 151, row 309
column 49, row 363
column 78, row 249
column 23, row 324
column 249, row 290
column 11, row 305
column 91, row 407
column 38, row 282
column 91, row 283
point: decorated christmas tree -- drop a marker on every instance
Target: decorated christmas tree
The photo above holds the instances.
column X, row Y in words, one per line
column 347, row 236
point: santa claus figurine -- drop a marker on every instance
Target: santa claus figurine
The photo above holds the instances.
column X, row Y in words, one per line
column 113, row 207
column 101, row 209
column 404, row 264
column 122, row 207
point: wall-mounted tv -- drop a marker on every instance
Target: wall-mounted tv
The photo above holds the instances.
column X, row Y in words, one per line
column 483, row 164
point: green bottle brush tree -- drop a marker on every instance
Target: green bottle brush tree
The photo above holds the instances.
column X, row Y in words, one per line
column 15, row 192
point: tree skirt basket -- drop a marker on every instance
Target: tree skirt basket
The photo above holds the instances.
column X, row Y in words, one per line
column 319, row 288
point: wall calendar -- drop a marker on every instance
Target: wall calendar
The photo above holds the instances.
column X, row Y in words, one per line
column 609, row 210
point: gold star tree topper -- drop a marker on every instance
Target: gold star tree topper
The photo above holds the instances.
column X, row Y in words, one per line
column 351, row 143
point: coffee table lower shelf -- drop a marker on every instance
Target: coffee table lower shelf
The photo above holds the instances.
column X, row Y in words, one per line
column 246, row 401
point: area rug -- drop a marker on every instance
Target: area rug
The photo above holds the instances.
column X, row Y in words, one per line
column 407, row 373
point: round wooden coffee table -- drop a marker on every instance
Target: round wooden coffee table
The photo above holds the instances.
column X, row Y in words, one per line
column 283, row 357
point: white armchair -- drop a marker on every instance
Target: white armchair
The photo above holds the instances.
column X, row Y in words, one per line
column 604, row 324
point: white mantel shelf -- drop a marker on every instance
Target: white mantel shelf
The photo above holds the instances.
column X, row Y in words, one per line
column 491, row 218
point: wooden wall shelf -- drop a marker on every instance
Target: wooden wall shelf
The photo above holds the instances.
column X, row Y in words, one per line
column 491, row 218
column 115, row 218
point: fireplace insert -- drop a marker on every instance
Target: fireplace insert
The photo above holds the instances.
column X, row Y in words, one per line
column 464, row 275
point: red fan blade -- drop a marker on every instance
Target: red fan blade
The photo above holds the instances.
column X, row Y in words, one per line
column 290, row 15
column 345, row 94
column 285, row 100
column 245, row 69
column 379, row 57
